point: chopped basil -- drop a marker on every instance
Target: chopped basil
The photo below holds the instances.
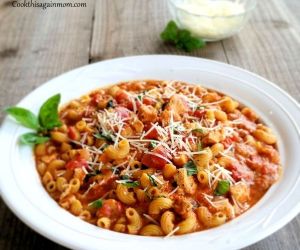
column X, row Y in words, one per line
column 124, row 177
column 153, row 182
column 152, row 144
column 139, row 97
column 104, row 136
column 222, row 187
column 110, row 104
column 115, row 170
column 191, row 168
column 96, row 204
column 91, row 174
column 131, row 184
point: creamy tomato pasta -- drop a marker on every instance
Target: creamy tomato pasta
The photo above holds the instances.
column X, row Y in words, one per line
column 158, row 158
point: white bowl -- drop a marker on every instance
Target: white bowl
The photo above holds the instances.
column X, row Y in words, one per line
column 22, row 191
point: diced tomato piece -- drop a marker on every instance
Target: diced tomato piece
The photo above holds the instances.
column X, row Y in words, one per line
column 96, row 97
column 138, row 104
column 110, row 208
column 124, row 99
column 154, row 161
column 153, row 134
column 200, row 194
column 235, row 174
column 122, row 112
column 96, row 192
column 72, row 133
column 101, row 188
column 78, row 162
column 199, row 113
column 229, row 140
column 148, row 101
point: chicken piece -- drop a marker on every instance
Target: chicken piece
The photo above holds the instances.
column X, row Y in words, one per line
column 147, row 113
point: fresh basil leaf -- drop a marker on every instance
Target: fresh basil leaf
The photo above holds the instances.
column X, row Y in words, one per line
column 191, row 168
column 24, row 117
column 104, row 136
column 96, row 204
column 124, row 177
column 153, row 182
column 187, row 42
column 131, row 184
column 33, row 138
column 222, row 187
column 170, row 32
column 48, row 115
column 181, row 38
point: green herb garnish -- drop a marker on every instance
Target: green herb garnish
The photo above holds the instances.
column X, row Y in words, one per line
column 33, row 138
column 48, row 115
column 181, row 38
column 131, row 184
column 191, row 168
column 96, row 204
column 152, row 144
column 153, row 182
column 139, row 97
column 222, row 187
column 110, row 104
column 24, row 117
column 104, row 136
column 91, row 174
column 124, row 177
column 46, row 120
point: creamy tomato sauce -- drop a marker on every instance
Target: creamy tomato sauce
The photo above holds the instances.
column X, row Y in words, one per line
column 158, row 158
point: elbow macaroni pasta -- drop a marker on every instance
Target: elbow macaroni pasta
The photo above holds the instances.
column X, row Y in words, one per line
column 118, row 153
column 159, row 204
column 157, row 158
column 135, row 221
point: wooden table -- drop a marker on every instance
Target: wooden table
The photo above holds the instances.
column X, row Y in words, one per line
column 37, row 45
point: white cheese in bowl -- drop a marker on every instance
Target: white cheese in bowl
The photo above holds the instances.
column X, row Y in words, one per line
column 211, row 20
